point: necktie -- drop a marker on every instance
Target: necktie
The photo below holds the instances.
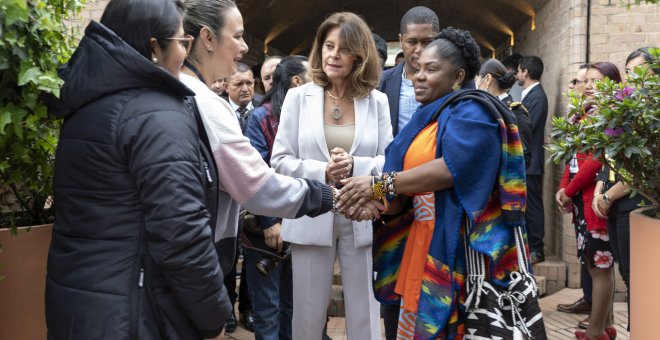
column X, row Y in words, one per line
column 242, row 117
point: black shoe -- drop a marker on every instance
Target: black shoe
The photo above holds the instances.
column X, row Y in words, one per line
column 247, row 320
column 230, row 324
column 580, row 306
column 536, row 257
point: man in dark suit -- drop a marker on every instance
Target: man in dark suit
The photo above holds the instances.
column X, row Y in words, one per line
column 418, row 28
column 240, row 95
column 534, row 99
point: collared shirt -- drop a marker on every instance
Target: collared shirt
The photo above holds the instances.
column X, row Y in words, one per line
column 526, row 91
column 407, row 103
column 235, row 106
column 503, row 95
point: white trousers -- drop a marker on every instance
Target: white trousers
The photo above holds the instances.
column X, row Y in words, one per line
column 313, row 268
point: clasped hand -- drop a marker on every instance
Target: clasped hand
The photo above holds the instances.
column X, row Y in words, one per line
column 355, row 201
column 340, row 165
column 563, row 201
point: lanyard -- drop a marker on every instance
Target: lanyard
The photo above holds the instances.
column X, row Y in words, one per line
column 194, row 69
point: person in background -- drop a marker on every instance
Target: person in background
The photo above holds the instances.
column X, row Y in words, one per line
column 417, row 29
column 511, row 63
column 381, row 47
column 267, row 69
column 220, row 87
column 399, row 58
column 613, row 198
column 240, row 95
column 243, row 178
column 133, row 212
column 331, row 128
column 496, row 80
column 272, row 294
column 594, row 249
column 583, row 304
column 530, row 70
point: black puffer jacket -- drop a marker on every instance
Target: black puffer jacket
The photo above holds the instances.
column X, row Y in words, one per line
column 132, row 255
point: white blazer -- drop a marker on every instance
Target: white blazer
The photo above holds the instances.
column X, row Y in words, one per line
column 300, row 150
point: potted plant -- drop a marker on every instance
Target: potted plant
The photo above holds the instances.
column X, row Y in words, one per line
column 623, row 131
column 34, row 42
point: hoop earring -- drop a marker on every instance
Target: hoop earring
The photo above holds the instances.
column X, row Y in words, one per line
column 456, row 87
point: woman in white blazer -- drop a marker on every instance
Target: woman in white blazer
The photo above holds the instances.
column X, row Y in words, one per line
column 332, row 128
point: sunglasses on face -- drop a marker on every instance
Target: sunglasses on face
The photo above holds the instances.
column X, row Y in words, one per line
column 185, row 41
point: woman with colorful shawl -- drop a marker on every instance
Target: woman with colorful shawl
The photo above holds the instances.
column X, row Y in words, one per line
column 459, row 167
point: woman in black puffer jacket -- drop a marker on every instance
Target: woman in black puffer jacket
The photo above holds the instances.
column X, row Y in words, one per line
column 131, row 255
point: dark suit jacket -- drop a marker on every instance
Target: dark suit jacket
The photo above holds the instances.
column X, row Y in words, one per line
column 536, row 103
column 390, row 84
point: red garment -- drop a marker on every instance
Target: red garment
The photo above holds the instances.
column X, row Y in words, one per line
column 584, row 181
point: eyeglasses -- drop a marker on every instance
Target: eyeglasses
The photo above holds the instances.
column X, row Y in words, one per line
column 577, row 81
column 186, row 42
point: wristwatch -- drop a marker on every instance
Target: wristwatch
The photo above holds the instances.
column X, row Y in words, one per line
column 606, row 198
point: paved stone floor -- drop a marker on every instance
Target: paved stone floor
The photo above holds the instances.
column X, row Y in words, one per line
column 560, row 326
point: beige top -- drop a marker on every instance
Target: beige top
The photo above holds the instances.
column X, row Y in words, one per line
column 340, row 136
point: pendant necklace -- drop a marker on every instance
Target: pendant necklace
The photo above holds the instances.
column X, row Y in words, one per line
column 337, row 112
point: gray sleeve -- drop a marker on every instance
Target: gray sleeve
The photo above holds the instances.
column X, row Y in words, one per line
column 288, row 197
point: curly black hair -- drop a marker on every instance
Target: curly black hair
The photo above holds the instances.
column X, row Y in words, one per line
column 460, row 49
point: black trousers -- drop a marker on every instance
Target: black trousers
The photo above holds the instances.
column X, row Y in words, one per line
column 244, row 303
column 534, row 215
column 391, row 320
column 618, row 228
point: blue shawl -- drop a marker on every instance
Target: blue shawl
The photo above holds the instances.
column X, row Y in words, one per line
column 473, row 142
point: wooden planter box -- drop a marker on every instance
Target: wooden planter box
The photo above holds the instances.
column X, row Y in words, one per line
column 23, row 266
column 644, row 275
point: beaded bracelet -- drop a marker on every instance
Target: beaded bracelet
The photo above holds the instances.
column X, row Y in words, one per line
column 388, row 179
column 383, row 186
column 335, row 195
column 377, row 188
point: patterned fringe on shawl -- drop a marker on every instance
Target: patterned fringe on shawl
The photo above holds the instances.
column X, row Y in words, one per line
column 388, row 245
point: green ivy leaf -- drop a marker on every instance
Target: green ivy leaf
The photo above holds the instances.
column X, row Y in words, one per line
column 29, row 75
column 16, row 10
column 5, row 119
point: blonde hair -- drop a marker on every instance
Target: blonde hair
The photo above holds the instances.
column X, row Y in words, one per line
column 355, row 37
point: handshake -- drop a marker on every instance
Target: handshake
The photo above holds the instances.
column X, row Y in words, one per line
column 358, row 198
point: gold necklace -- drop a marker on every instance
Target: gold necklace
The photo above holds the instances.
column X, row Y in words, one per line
column 337, row 112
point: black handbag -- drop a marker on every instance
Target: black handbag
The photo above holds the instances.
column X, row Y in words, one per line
column 502, row 313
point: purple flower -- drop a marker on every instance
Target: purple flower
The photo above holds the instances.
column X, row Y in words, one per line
column 625, row 93
column 614, row 132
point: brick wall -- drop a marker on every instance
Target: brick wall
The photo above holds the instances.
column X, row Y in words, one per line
column 615, row 32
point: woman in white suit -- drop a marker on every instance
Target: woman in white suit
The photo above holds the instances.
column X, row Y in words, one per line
column 332, row 128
